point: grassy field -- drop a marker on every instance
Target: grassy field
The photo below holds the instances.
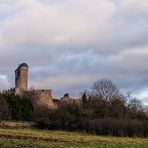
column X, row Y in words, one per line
column 27, row 138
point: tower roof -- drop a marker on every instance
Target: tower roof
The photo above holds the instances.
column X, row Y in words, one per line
column 22, row 65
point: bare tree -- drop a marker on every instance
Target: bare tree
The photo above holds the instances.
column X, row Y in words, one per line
column 135, row 108
column 105, row 89
column 110, row 96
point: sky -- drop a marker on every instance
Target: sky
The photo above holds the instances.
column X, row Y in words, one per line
column 70, row 44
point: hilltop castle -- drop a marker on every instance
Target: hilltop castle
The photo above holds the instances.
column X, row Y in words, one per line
column 40, row 98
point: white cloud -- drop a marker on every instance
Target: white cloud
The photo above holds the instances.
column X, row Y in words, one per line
column 4, row 83
column 71, row 43
column 69, row 23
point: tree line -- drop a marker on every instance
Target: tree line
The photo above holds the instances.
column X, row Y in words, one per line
column 103, row 110
column 14, row 107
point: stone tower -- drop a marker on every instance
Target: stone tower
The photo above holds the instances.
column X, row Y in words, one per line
column 21, row 79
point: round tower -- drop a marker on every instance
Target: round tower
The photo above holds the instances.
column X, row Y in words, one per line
column 21, row 79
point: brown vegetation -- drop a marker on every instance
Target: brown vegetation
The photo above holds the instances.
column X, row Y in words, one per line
column 104, row 110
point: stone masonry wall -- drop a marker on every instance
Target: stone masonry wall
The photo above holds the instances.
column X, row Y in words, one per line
column 21, row 79
column 42, row 99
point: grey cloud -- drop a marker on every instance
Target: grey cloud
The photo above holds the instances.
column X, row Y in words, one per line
column 135, row 7
column 70, row 44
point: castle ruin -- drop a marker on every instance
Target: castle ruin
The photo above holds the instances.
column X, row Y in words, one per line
column 21, row 79
column 40, row 98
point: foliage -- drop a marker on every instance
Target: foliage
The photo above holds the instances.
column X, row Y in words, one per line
column 18, row 108
column 4, row 108
column 104, row 111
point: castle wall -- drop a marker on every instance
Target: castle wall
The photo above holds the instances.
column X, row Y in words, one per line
column 42, row 99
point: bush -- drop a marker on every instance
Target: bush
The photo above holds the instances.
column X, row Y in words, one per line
column 17, row 108
column 73, row 117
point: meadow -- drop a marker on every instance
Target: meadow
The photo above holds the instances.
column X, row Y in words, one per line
column 32, row 138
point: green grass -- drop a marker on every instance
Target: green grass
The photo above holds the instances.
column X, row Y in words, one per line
column 31, row 138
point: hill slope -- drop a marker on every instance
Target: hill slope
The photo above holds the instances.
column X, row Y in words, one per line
column 30, row 138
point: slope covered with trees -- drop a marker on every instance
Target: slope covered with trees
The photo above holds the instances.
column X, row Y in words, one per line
column 103, row 110
column 14, row 107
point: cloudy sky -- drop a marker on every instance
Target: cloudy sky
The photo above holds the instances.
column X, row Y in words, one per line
column 69, row 44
